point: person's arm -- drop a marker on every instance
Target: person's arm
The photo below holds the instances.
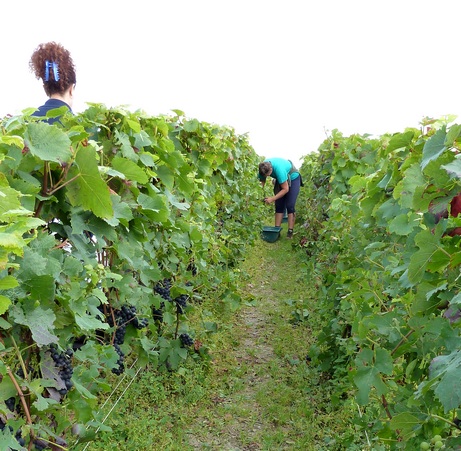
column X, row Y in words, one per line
column 284, row 188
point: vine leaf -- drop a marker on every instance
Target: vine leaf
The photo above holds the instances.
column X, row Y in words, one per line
column 400, row 140
column 40, row 323
column 130, row 169
column 4, row 304
column 403, row 224
column 8, row 441
column 49, row 371
column 7, row 390
column 155, row 204
column 434, row 147
column 5, row 284
column 453, row 168
column 447, row 369
column 410, row 187
column 89, row 190
column 48, row 142
column 429, row 254
column 371, row 364
column 406, row 423
column 9, row 197
column 86, row 314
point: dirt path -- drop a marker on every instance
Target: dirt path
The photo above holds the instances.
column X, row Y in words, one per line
column 241, row 419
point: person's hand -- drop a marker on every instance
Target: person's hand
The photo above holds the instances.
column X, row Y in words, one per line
column 269, row 200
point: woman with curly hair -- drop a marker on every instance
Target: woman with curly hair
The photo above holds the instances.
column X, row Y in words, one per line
column 52, row 63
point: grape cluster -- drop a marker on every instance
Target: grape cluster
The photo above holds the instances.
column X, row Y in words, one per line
column 10, row 403
column 435, row 443
column 40, row 444
column 20, row 371
column 63, row 361
column 120, row 331
column 163, row 289
column 17, row 436
column 186, row 340
column 192, row 267
column 127, row 314
column 181, row 303
column 120, row 362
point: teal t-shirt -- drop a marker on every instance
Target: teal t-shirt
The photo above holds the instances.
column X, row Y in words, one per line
column 280, row 170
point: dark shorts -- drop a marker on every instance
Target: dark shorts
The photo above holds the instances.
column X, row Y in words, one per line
column 288, row 201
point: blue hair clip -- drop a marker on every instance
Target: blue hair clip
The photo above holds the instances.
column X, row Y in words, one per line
column 51, row 65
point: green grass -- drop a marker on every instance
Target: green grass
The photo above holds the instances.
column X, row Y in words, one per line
column 259, row 391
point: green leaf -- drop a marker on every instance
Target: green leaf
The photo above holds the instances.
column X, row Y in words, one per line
column 210, row 326
column 446, row 368
column 88, row 189
column 434, row 147
column 122, row 212
column 40, row 323
column 430, row 253
column 173, row 200
column 8, row 441
column 8, row 282
column 48, row 142
column 454, row 168
column 7, row 389
column 166, row 175
column 5, row 325
column 155, row 203
column 87, row 314
column 12, row 140
column 134, row 125
column 83, row 391
column 400, row 140
column 42, row 288
column 4, row 304
column 41, row 403
column 126, row 147
column 130, row 169
column 370, row 365
column 411, row 186
column 453, row 133
column 169, row 318
column 191, row 126
column 406, row 423
column 404, row 224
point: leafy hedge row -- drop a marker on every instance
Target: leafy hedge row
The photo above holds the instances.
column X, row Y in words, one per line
column 384, row 250
column 113, row 224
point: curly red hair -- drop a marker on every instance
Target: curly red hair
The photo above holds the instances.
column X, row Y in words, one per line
column 52, row 52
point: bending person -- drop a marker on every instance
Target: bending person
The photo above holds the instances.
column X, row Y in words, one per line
column 286, row 188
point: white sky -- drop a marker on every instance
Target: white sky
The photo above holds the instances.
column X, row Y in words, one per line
column 285, row 72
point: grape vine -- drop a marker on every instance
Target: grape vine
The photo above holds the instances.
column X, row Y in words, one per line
column 382, row 241
column 99, row 212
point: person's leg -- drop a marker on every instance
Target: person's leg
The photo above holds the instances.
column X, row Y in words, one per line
column 279, row 207
column 278, row 219
column 290, row 200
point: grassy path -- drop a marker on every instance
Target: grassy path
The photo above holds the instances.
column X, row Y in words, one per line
column 262, row 406
column 260, row 392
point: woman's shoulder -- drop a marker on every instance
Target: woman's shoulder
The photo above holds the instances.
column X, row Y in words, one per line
column 49, row 105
